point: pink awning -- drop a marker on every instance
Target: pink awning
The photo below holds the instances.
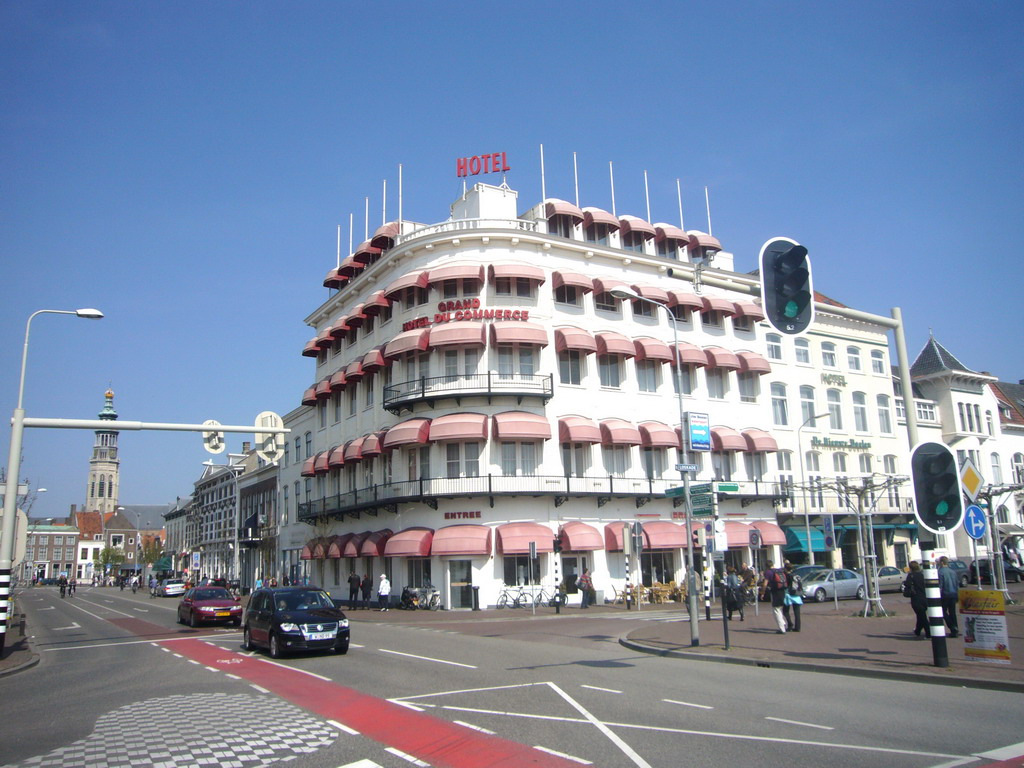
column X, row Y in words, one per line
column 412, row 542
column 605, row 284
column 613, row 536
column 468, row 540
column 753, row 363
column 652, row 292
column 338, row 381
column 458, row 426
column 520, row 425
column 518, row 332
column 515, row 538
column 726, row 439
column 535, row 274
column 612, row 343
column 376, row 303
column 309, row 396
column 654, row 434
column 456, row 272
column 593, row 216
column 309, row 549
column 384, row 236
column 749, row 309
column 351, row 267
column 737, row 534
column 409, row 432
column 702, row 240
column 636, row 224
column 365, row 253
column 332, row 279
column 336, row 545
column 652, row 349
column 771, row 534
column 308, row 467
column 619, row 432
column 578, row 429
column 356, row 316
column 574, row 338
column 336, row 457
column 722, row 358
column 664, row 534
column 373, row 444
column 669, row 232
column 312, row 349
column 574, row 279
column 353, row 545
column 354, row 371
column 374, row 360
column 320, row 463
column 416, row 340
column 323, row 389
column 690, row 354
column 685, row 299
column 555, row 207
column 339, row 327
column 373, row 545
column 416, row 279
column 718, row 304
column 759, row 440
column 465, row 334
column 354, row 450
column 577, row 536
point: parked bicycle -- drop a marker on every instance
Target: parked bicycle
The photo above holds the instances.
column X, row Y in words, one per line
column 514, row 597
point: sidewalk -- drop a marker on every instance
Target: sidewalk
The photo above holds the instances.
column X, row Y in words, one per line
column 17, row 654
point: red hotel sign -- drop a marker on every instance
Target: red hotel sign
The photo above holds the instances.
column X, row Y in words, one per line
column 465, row 309
column 477, row 164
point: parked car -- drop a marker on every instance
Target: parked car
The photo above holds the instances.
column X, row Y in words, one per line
column 203, row 605
column 283, row 619
column 962, row 571
column 824, row 585
column 890, row 579
column 170, row 588
column 1012, row 572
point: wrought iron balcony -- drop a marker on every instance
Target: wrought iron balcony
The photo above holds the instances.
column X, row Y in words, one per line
column 489, row 385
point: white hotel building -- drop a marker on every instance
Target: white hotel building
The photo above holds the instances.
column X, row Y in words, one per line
column 477, row 388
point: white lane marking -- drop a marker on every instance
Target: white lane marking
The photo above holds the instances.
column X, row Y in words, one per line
column 48, row 608
column 119, row 642
column 613, row 737
column 233, row 677
column 407, row 705
column 95, row 616
column 1004, row 753
column 797, row 722
column 295, row 669
column 259, row 688
column 141, row 610
column 466, row 690
column 474, row 727
column 956, row 763
column 687, row 704
column 74, row 625
column 401, row 754
column 563, row 755
column 345, row 728
column 213, row 669
column 179, row 656
column 595, row 688
column 193, row 661
column 427, row 658
column 364, row 763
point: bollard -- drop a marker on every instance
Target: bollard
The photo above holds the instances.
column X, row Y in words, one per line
column 476, row 598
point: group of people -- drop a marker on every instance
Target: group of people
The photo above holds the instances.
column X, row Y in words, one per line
column 67, row 586
column 949, row 594
column 363, row 586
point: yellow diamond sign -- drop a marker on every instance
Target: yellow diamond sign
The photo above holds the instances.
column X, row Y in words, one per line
column 971, row 479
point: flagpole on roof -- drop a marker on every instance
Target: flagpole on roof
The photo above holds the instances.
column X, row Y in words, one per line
column 543, row 185
column 679, row 197
column 399, row 198
column 647, row 194
column 576, row 178
column 383, row 206
column 611, row 177
column 707, row 202
column 339, row 245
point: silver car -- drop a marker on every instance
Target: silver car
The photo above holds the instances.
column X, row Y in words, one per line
column 890, row 579
column 824, row 585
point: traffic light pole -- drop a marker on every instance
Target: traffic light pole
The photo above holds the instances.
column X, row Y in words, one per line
column 936, row 624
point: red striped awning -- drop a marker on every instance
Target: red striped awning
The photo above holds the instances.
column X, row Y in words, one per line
column 664, row 534
column 771, row 534
column 555, row 207
column 578, row 429
column 416, row 279
column 376, row 303
column 308, row 467
column 467, row 540
column 416, row 340
column 574, row 279
column 518, row 332
column 374, row 360
column 520, row 425
column 354, row 450
column 456, row 272
column 323, row 389
column 461, row 334
column 336, row 545
column 307, row 550
column 409, row 432
column 654, row 434
column 338, row 381
column 574, row 338
column 753, row 363
column 749, row 309
column 726, row 439
column 577, row 536
column 652, row 292
column 759, row 440
column 636, row 224
column 373, row 444
column 527, row 272
column 458, row 426
column 722, row 358
column 309, row 396
column 333, row 280
column 690, row 354
column 619, row 432
column 652, row 349
column 384, row 236
column 685, row 299
column 515, row 538
column 356, row 316
column 374, row 544
column 412, row 542
column 320, row 463
column 612, row 343
column 336, row 457
column 718, row 304
column 737, row 534
column 605, row 284
column 669, row 232
column 350, row 267
column 613, row 536
column 592, row 216
column 353, row 545
column 354, row 371
column 702, row 240
column 312, row 349
column 340, row 327
column 365, row 253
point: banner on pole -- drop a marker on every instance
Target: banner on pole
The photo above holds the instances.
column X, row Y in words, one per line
column 984, row 616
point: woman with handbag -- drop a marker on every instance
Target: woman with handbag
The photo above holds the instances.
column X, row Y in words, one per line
column 793, row 599
column 913, row 587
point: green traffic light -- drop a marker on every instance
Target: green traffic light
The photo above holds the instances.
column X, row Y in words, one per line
column 792, row 309
column 942, row 508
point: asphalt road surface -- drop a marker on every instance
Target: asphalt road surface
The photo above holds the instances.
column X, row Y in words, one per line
column 120, row 683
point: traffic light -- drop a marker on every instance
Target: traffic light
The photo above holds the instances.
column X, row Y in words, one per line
column 939, row 505
column 557, row 544
column 786, row 290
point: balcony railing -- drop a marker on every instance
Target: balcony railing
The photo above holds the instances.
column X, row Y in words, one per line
column 428, row 490
column 462, row 225
column 431, row 388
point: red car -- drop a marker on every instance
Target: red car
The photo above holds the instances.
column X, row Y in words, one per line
column 209, row 605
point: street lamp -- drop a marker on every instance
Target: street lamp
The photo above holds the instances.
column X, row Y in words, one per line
column 14, row 468
column 624, row 292
column 803, row 481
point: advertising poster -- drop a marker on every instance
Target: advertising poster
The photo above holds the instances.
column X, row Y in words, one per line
column 983, row 616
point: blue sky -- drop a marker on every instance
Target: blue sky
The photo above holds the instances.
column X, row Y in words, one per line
column 184, row 167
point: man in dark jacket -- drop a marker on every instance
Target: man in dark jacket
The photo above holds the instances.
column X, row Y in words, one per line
column 913, row 587
column 776, row 584
column 353, row 589
column 949, row 591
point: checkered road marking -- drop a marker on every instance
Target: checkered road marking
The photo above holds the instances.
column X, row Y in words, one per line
column 215, row 729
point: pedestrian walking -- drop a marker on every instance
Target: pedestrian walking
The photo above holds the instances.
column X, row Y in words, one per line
column 585, row 584
column 353, row 589
column 949, row 591
column 733, row 593
column 366, row 586
column 913, row 587
column 794, row 598
column 776, row 586
column 72, row 586
column 384, row 592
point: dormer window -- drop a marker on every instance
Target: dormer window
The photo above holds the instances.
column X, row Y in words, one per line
column 562, row 217
column 561, row 226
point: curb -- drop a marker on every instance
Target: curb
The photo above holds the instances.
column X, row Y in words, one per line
column 882, row 674
column 33, row 660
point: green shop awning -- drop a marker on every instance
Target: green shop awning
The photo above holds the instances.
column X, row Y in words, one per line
column 164, row 564
column 796, row 540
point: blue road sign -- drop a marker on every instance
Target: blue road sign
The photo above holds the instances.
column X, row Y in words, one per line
column 975, row 522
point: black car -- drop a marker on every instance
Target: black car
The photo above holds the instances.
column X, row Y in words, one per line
column 963, row 573
column 284, row 619
column 1012, row 572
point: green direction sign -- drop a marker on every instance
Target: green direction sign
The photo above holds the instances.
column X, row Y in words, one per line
column 701, row 504
column 671, row 492
column 700, row 488
column 727, row 487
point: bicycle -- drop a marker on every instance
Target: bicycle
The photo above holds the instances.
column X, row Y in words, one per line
column 543, row 596
column 515, row 597
column 431, row 602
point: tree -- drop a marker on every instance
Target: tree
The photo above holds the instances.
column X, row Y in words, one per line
column 112, row 556
column 152, row 550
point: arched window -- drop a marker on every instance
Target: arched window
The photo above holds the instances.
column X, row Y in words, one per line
column 835, row 409
column 860, row 412
column 806, row 404
column 877, row 361
column 997, row 470
column 865, row 464
column 1018, row 467
column 839, row 463
column 774, row 341
column 803, row 351
column 884, row 414
column 828, row 354
column 853, row 358
column 103, row 486
column 780, row 409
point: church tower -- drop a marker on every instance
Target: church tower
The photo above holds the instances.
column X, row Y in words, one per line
column 104, row 466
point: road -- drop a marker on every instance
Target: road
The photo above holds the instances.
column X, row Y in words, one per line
column 121, row 683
